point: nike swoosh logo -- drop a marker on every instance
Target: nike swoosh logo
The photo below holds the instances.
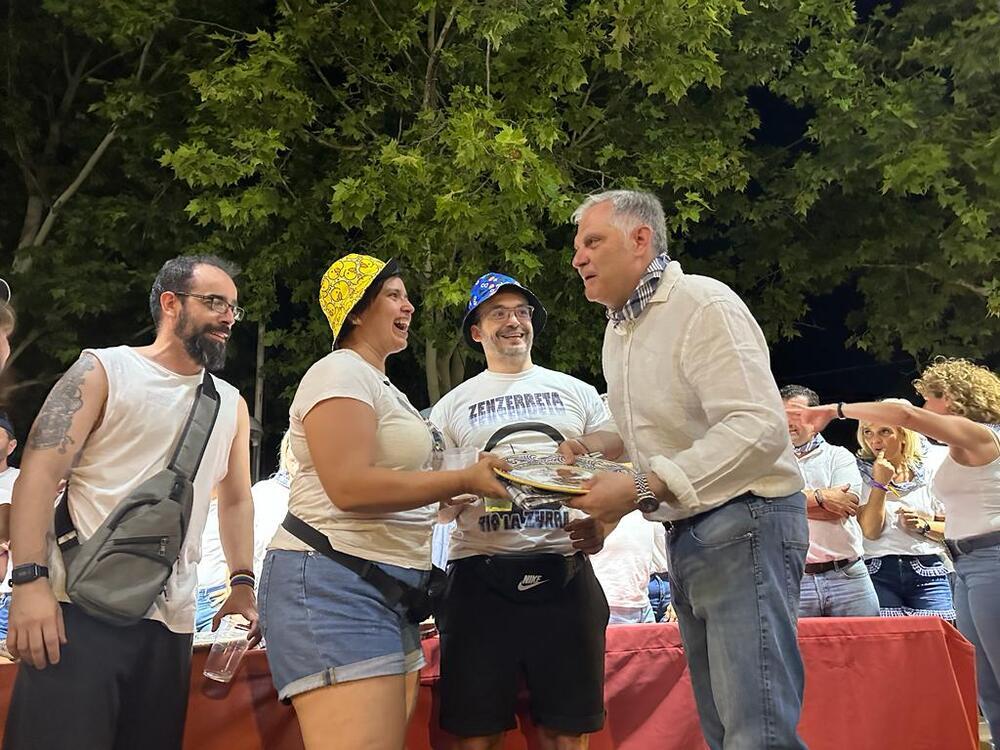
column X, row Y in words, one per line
column 522, row 586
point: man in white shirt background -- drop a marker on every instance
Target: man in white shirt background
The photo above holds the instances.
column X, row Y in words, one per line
column 693, row 397
column 624, row 567
column 491, row 639
column 8, row 443
column 836, row 582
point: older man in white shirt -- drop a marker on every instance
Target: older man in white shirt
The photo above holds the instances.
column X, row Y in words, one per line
column 836, row 581
column 691, row 392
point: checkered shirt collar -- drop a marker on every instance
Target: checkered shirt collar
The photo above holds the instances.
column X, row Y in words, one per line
column 643, row 293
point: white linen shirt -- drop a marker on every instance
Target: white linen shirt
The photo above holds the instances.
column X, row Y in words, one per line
column 692, row 395
column 841, row 538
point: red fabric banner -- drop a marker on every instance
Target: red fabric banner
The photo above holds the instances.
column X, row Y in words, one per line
column 870, row 683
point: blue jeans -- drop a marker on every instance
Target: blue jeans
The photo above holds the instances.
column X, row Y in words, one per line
column 4, row 615
column 977, row 601
column 659, row 595
column 734, row 577
column 843, row 592
column 912, row 585
column 208, row 601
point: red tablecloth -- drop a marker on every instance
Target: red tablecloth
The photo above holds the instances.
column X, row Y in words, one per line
column 870, row 683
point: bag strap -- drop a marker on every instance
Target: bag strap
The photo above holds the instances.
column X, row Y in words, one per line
column 185, row 461
column 389, row 587
column 508, row 430
column 197, row 430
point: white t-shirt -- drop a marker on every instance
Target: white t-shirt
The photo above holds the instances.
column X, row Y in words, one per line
column 836, row 539
column 270, row 503
column 660, row 559
column 470, row 414
column 402, row 442
column 7, row 478
column 896, row 539
column 212, row 568
column 146, row 410
column 625, row 563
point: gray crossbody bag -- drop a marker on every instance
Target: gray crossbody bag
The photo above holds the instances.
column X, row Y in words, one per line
column 116, row 574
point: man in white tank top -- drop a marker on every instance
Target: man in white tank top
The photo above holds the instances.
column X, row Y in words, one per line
column 111, row 422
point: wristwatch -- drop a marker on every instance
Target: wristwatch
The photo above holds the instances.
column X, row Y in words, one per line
column 27, row 573
column 645, row 500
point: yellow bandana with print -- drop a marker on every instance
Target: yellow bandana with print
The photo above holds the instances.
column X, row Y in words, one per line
column 344, row 284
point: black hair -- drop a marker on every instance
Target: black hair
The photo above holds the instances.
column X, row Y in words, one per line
column 791, row 391
column 391, row 271
column 7, row 424
column 175, row 276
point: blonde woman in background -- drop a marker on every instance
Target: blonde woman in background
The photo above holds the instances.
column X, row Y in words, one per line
column 903, row 542
column 962, row 410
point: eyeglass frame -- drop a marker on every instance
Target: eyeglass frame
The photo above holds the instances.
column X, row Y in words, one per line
column 507, row 311
column 212, row 300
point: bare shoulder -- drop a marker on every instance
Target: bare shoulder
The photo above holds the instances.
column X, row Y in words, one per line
column 84, row 384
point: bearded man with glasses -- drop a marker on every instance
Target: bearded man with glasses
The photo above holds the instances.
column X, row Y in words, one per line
column 491, row 639
column 109, row 424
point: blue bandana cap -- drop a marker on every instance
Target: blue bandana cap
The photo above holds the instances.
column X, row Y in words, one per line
column 485, row 287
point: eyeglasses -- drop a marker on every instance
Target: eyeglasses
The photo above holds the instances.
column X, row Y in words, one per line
column 501, row 314
column 218, row 304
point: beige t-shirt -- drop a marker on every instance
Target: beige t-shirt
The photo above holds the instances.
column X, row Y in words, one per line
column 402, row 442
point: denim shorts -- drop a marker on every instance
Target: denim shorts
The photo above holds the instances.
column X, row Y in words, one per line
column 912, row 585
column 325, row 625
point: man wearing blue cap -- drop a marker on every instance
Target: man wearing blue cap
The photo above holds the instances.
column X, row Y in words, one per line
column 523, row 601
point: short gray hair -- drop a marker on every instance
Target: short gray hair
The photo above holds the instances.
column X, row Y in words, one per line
column 630, row 208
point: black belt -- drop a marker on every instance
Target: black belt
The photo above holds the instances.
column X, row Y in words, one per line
column 959, row 547
column 824, row 567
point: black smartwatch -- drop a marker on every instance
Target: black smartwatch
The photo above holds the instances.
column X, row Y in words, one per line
column 27, row 573
column 645, row 500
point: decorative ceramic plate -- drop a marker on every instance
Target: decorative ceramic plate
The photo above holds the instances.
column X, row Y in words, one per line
column 550, row 473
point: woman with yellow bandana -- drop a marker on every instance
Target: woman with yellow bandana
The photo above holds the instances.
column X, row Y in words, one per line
column 347, row 657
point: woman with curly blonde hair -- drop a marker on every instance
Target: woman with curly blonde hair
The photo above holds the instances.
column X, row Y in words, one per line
column 898, row 517
column 962, row 410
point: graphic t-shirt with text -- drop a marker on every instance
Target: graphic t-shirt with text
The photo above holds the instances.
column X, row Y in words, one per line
column 469, row 416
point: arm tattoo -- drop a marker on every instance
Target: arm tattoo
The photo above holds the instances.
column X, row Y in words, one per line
column 51, row 427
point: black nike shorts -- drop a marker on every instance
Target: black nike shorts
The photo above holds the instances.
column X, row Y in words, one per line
column 490, row 643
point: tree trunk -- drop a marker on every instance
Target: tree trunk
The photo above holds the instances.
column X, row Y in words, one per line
column 431, row 371
column 258, row 398
column 457, row 364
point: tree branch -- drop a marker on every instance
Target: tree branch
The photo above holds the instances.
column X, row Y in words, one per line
column 430, row 77
column 385, row 23
column 143, row 56
column 69, row 192
column 929, row 271
column 23, row 344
